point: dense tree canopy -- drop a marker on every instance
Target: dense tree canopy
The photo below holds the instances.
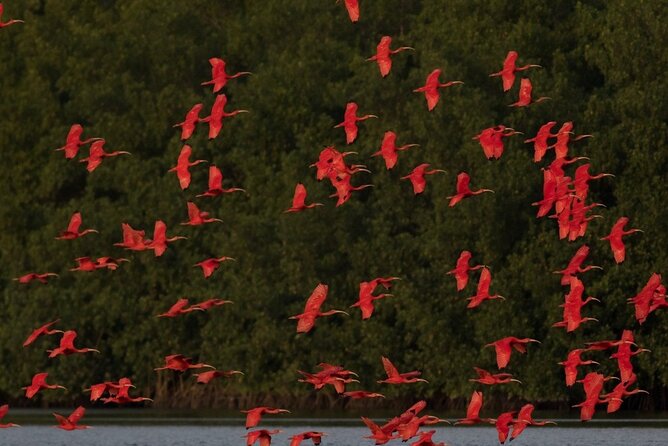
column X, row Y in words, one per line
column 127, row 70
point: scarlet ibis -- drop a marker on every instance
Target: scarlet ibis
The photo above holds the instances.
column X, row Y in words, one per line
column 44, row 330
column 216, row 184
column 254, row 415
column 491, row 140
column 502, row 424
column 504, row 348
column 572, row 306
column 210, row 265
column 209, row 375
column 624, row 355
column 564, row 137
column 219, row 77
column 98, row 390
column 483, row 290
column 179, row 308
column 540, row 141
column 120, row 393
column 263, row 435
column 383, row 55
column 575, row 265
column 3, row 413
column 39, row 383
column 183, row 166
column 353, row 8
column 314, row 436
column 350, row 120
column 646, row 297
column 593, row 385
column 524, row 419
column 417, row 177
column 377, row 434
column 615, row 238
column 299, row 200
column 571, row 364
column 73, row 142
column 525, row 98
column 344, row 188
column 473, row 410
column 88, row 264
column 29, row 277
column 582, row 178
column 335, row 376
column 425, row 439
column 331, row 163
column 306, row 320
column 616, row 397
column 431, row 86
column 461, row 271
column 97, row 154
column 72, row 232
column 463, row 190
column 215, row 119
column 180, row 363
column 410, row 429
column 67, row 346
column 394, row 377
column 509, row 69
column 211, row 303
column 487, row 378
column 366, row 298
column 189, row 123
column 389, row 150
column 9, row 22
column 197, row 217
column 71, row 423
column 405, row 417
column 361, row 394
column 133, row 239
column 160, row 239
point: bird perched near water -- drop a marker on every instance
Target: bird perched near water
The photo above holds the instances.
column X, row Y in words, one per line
column 210, row 265
column 525, row 98
column 67, row 346
column 209, row 375
column 615, row 238
column 383, row 56
column 463, row 190
column 197, row 217
column 183, row 165
column 462, row 268
column 215, row 118
column 389, row 150
column 219, row 77
column 40, row 277
column 73, row 141
column 71, row 423
column 3, row 413
column 504, row 348
column 254, row 415
column 39, row 383
column 350, row 120
column 97, row 154
column 8, row 22
column 299, row 200
column 482, row 293
column 394, row 377
column 306, row 320
column 431, row 86
column 417, row 177
column 216, row 184
column 44, row 330
column 72, row 232
column 190, row 121
column 509, row 69
column 180, row 363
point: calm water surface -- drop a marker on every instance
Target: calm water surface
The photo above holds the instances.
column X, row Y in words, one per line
column 619, row 433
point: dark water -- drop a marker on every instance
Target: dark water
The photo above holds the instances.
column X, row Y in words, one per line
column 171, row 432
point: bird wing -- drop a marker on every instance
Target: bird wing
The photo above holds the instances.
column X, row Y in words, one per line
column 353, row 10
column 77, row 415
column 67, row 341
column 525, row 90
column 316, row 299
column 75, row 223
column 299, row 198
column 484, row 282
column 4, row 409
column 432, row 96
column 373, row 427
column 159, row 231
column 474, row 406
column 503, row 353
column 384, row 65
column 390, row 369
column 62, row 421
column 184, row 155
column 193, row 212
column 179, row 305
column 508, row 78
column 215, row 178
column 463, row 181
column 253, row 417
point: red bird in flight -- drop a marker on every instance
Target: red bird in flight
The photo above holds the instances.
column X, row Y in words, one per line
column 189, row 123
column 219, row 77
column 473, row 411
column 417, row 177
column 525, row 98
column 463, row 190
column 210, row 265
column 133, row 239
column 39, row 383
column 575, row 265
column 394, row 377
column 263, row 435
column 183, row 166
column 180, row 363
column 197, row 217
column 72, row 232
column 306, row 320
column 179, row 308
column 350, row 120
column 571, row 364
column 209, row 375
column 42, row 278
column 389, row 150
column 384, row 54
column 73, row 141
column 483, row 290
column 509, row 69
column 13, row 21
column 44, row 330
column 215, row 119
column 71, row 423
column 67, row 346
column 216, row 184
column 299, row 200
column 316, row 437
column 253, row 416
column 97, row 154
column 160, row 239
column 540, row 141
column 3, row 413
column 615, row 238
column 431, row 87
column 504, row 348
column 461, row 271
column 353, row 8
column 487, row 378
column 491, row 140
column 524, row 419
